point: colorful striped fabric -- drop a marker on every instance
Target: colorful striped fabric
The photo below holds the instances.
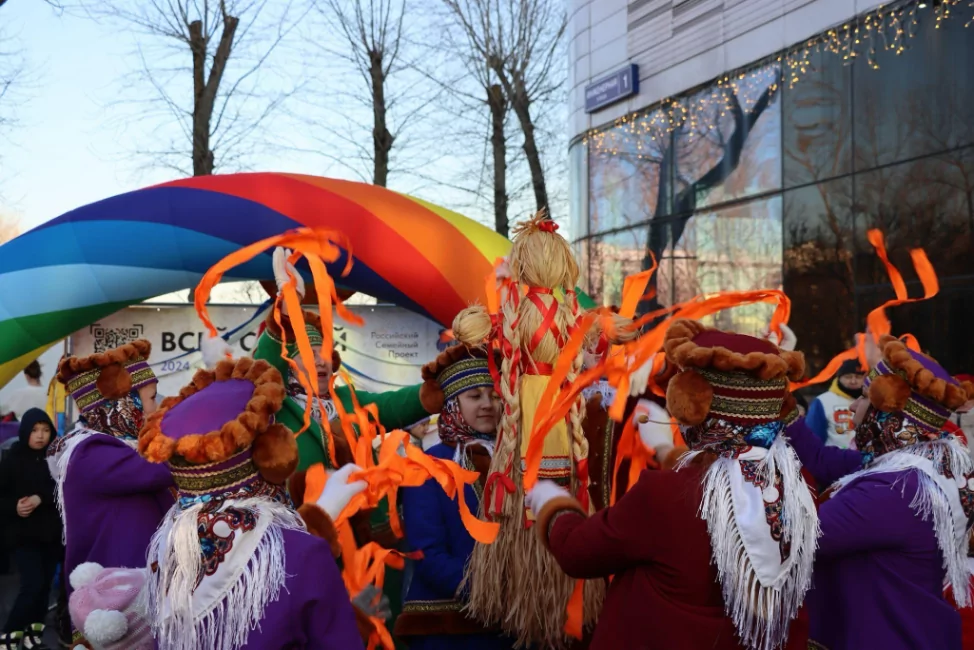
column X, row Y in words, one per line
column 97, row 259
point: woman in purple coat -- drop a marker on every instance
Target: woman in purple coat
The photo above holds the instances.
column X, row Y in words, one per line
column 895, row 527
column 111, row 500
column 232, row 564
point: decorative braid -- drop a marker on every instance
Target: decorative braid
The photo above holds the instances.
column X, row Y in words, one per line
column 510, row 376
column 577, row 413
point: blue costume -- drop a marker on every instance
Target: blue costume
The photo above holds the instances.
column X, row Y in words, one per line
column 432, row 618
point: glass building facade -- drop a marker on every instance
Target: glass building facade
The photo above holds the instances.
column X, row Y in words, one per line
column 758, row 182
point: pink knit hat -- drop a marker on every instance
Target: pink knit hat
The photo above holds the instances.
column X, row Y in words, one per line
column 105, row 607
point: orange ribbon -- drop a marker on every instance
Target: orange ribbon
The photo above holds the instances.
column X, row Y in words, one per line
column 633, row 288
column 317, row 247
column 877, row 322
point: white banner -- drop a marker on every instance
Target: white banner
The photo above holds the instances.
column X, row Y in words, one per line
column 386, row 353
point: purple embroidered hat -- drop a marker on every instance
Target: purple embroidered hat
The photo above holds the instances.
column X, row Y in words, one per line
column 914, row 385
column 97, row 378
column 218, row 435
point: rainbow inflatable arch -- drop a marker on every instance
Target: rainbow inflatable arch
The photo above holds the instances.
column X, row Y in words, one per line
column 97, row 259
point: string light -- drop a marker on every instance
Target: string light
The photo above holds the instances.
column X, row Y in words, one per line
column 887, row 29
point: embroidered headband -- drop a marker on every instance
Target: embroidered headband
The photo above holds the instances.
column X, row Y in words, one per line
column 734, row 377
column 914, row 385
column 95, row 379
column 312, row 327
column 219, row 433
column 455, row 370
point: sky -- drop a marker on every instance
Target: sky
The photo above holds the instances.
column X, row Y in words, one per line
column 72, row 145
column 58, row 157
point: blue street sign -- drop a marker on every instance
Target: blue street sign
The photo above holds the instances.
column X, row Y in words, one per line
column 612, row 88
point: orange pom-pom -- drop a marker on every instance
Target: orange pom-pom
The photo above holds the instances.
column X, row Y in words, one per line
column 276, row 454
column 688, row 397
column 889, row 393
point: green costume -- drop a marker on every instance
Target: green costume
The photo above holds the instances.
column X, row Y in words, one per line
column 397, row 409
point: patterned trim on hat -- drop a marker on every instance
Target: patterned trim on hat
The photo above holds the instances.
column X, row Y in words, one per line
column 921, row 411
column 463, row 376
column 314, row 336
column 211, row 478
column 741, row 381
column 744, row 397
column 87, row 396
column 745, row 408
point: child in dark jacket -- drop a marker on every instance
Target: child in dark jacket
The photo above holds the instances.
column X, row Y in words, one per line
column 32, row 528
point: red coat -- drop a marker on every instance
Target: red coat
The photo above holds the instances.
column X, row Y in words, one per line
column 966, row 621
column 665, row 594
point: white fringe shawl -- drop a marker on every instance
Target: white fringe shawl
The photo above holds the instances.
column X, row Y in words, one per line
column 937, row 497
column 185, row 620
column 762, row 613
column 58, row 466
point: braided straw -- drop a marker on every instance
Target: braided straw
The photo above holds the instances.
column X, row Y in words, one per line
column 515, row 583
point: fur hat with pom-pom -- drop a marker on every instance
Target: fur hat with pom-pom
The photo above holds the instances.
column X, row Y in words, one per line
column 915, row 385
column 105, row 607
column 104, row 376
column 219, row 433
column 739, row 378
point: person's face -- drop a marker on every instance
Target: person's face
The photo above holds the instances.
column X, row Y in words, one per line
column 852, row 381
column 322, row 368
column 148, row 396
column 40, row 435
column 481, row 409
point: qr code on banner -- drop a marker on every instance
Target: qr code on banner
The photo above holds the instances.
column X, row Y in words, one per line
column 107, row 338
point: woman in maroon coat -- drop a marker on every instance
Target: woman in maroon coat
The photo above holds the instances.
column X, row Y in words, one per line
column 717, row 554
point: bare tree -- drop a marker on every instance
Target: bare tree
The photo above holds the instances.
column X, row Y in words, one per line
column 372, row 38
column 471, row 87
column 376, row 93
column 228, row 43
column 520, row 41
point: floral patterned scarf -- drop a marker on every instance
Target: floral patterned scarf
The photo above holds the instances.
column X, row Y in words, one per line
column 893, row 442
column 122, row 418
column 762, row 523
column 455, row 431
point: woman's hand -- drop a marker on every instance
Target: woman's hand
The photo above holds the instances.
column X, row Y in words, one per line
column 27, row 505
column 281, row 269
column 338, row 492
column 788, row 341
column 542, row 493
column 653, row 423
column 367, row 603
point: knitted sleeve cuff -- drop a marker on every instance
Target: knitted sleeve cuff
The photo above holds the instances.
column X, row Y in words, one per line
column 550, row 512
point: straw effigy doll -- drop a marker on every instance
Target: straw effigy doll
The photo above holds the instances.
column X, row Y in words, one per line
column 513, row 582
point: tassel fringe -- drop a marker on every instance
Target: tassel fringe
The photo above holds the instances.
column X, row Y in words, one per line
column 762, row 614
column 169, row 591
column 932, row 503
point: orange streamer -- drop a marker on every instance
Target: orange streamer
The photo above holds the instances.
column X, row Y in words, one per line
column 829, row 371
column 633, row 288
column 877, row 321
column 875, row 237
column 575, row 610
column 317, row 247
column 314, row 482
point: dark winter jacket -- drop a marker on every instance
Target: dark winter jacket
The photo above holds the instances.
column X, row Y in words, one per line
column 23, row 473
